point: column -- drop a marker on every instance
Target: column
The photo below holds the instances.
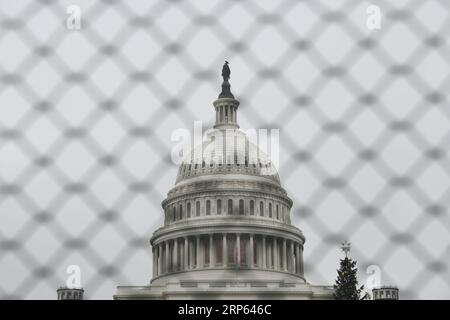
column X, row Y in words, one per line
column 238, row 247
column 280, row 254
column 292, row 255
column 284, row 256
column 269, row 257
column 301, row 261
column 264, row 265
column 154, row 264
column 175, row 257
column 224, row 250
column 297, row 257
column 197, row 251
column 191, row 254
column 258, row 248
column 181, row 255
column 275, row 253
column 251, row 253
column 160, row 259
column 167, row 257
column 211, row 252
column 186, row 253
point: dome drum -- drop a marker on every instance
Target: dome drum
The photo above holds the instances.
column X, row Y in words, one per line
column 233, row 204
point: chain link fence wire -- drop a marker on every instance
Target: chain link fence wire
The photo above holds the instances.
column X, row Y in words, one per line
column 86, row 118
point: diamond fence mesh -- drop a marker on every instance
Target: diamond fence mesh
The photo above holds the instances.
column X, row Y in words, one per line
column 86, row 118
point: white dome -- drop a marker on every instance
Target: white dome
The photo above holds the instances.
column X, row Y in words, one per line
column 224, row 152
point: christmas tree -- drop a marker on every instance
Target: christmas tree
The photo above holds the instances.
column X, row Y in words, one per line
column 346, row 287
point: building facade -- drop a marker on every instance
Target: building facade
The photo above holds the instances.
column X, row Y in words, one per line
column 385, row 293
column 227, row 232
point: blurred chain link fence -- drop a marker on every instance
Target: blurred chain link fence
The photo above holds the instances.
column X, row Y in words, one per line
column 86, row 117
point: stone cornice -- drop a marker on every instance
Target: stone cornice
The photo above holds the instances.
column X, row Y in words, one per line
column 228, row 176
column 218, row 226
column 230, row 187
column 226, row 193
column 223, row 170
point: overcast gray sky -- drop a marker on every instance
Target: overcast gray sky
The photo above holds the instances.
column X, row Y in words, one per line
column 86, row 118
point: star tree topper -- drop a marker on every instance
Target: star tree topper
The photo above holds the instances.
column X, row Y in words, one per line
column 346, row 246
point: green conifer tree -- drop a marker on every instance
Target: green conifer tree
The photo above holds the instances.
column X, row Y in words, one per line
column 346, row 286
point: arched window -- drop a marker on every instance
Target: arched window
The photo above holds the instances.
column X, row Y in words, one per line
column 197, row 209
column 208, row 207
column 219, row 206
column 189, row 210
column 270, row 210
column 252, row 207
column 174, row 214
column 261, row 209
column 277, row 212
column 180, row 212
column 241, row 206
column 230, row 206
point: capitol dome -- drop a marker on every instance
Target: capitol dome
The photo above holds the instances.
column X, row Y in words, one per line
column 227, row 230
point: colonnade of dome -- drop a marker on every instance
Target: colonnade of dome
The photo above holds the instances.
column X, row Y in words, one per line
column 227, row 250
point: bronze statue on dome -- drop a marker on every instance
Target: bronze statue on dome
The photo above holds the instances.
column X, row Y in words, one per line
column 226, row 72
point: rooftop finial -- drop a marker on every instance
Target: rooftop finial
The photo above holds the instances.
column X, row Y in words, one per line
column 226, row 92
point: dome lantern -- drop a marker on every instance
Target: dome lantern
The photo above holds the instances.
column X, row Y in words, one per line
column 226, row 105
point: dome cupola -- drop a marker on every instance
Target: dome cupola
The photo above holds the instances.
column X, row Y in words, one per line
column 227, row 150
